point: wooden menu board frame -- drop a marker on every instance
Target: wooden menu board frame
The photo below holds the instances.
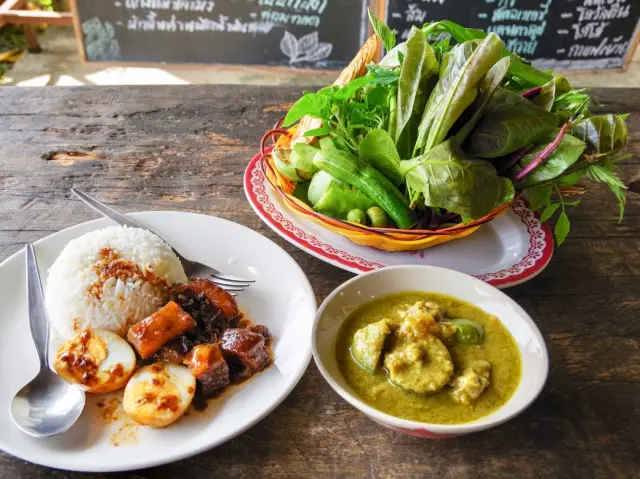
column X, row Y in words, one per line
column 377, row 6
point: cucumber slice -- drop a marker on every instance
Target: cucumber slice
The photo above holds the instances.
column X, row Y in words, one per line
column 302, row 160
column 281, row 159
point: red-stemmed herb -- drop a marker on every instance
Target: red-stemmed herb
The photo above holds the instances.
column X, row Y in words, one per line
column 543, row 155
column 515, row 158
column 551, row 147
column 531, row 93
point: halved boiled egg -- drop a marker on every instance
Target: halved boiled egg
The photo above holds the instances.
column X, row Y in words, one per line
column 99, row 361
column 159, row 394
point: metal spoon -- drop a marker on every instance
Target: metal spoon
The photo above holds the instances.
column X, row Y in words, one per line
column 47, row 405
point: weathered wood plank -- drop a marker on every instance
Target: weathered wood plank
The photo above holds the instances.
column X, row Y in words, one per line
column 185, row 148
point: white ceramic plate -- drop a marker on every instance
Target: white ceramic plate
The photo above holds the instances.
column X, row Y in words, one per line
column 508, row 251
column 88, row 445
column 362, row 289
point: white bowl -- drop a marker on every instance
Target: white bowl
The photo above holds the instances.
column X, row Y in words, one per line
column 364, row 288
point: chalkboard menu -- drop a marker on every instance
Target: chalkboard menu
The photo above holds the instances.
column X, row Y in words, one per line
column 554, row 34
column 298, row 33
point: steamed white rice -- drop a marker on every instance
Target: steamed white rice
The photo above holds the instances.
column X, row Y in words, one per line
column 110, row 279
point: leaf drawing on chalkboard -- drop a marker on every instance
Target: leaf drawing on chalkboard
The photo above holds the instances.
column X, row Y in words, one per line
column 289, row 45
column 308, row 43
column 100, row 43
column 306, row 49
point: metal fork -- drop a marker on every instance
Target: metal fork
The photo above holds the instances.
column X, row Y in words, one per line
column 233, row 284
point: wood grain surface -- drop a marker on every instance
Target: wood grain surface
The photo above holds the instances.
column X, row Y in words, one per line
column 185, row 148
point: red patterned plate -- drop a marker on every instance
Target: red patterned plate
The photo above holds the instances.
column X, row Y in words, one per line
column 508, row 251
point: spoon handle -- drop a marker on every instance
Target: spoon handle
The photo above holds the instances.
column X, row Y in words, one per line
column 38, row 321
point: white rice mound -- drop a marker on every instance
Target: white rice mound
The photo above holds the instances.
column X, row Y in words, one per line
column 110, row 279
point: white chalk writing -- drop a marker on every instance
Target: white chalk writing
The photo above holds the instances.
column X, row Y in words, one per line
column 290, row 18
column 601, row 3
column 414, row 14
column 175, row 5
column 223, row 23
column 602, row 13
column 500, row 15
column 588, row 30
column 521, row 37
column 606, row 48
column 595, row 19
column 315, row 6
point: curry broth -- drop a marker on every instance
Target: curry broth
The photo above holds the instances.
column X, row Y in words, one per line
column 498, row 347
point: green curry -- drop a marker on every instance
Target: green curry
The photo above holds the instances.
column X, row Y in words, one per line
column 428, row 357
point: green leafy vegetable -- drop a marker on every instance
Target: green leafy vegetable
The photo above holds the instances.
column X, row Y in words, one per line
column 463, row 69
column 564, row 156
column 387, row 35
column 508, row 124
column 606, row 174
column 562, row 228
column 539, row 197
column 446, row 106
column 393, row 115
column 310, row 104
column 380, row 150
column 603, row 134
column 410, row 76
column 571, row 102
column 441, row 47
column 466, row 186
column 350, row 89
column 517, row 68
column 548, row 212
column 325, row 130
column 383, row 76
column 488, row 87
column 550, row 90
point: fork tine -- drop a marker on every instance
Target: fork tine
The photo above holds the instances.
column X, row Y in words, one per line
column 231, row 290
column 234, row 288
column 232, row 279
column 226, row 284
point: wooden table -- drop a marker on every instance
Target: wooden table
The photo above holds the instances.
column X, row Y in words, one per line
column 185, row 148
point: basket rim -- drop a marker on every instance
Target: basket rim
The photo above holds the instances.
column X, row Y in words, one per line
column 390, row 233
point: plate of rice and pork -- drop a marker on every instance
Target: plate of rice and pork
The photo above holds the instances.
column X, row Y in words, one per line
column 171, row 365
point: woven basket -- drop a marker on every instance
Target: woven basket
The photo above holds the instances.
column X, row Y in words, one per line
column 386, row 239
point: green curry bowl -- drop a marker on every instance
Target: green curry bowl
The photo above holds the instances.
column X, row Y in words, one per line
column 429, row 351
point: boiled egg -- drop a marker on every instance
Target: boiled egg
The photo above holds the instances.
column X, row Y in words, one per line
column 97, row 360
column 159, row 394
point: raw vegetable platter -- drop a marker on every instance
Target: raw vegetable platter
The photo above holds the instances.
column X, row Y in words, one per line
column 510, row 250
column 435, row 142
